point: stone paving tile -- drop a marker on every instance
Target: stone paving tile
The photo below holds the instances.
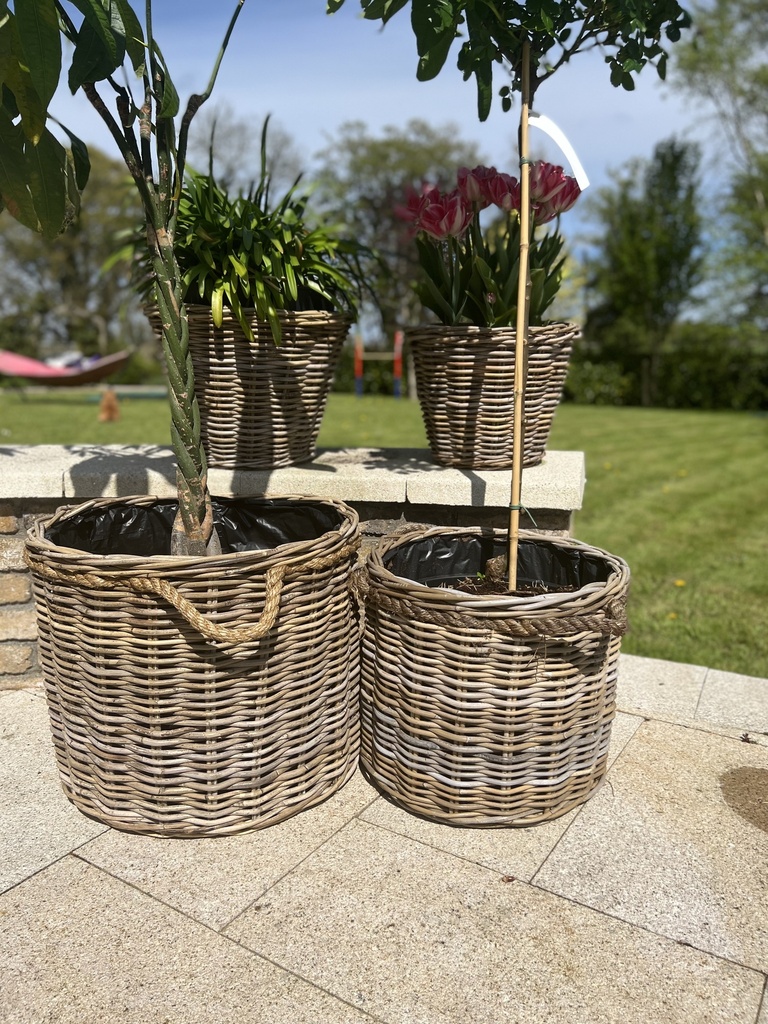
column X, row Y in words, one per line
column 677, row 842
column 37, row 822
column 510, row 851
column 739, row 702
column 213, row 880
column 79, row 947
column 416, row 936
column 659, row 689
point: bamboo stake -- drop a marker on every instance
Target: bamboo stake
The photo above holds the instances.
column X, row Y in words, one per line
column 521, row 330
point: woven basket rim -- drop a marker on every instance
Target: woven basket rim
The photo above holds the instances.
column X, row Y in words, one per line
column 560, row 327
column 490, row 605
column 308, row 315
column 288, row 553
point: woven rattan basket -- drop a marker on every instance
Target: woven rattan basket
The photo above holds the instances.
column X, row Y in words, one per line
column 200, row 697
column 261, row 405
column 481, row 710
column 465, row 384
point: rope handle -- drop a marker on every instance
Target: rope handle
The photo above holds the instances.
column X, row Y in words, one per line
column 273, row 582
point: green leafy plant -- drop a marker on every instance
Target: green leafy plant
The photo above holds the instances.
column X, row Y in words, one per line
column 245, row 253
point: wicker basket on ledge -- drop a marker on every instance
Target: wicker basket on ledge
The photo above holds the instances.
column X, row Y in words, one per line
column 465, row 380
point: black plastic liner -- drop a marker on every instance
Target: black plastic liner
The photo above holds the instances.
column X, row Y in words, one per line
column 447, row 559
column 243, row 524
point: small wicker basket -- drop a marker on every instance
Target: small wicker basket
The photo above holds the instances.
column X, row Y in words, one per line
column 465, row 380
column 481, row 710
column 200, row 696
column 261, row 405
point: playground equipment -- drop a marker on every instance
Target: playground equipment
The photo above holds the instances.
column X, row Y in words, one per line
column 396, row 355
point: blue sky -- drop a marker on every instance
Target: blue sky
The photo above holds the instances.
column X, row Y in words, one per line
column 312, row 72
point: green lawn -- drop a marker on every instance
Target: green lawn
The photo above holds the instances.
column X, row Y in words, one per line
column 680, row 495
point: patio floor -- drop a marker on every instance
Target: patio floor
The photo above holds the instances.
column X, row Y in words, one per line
column 649, row 905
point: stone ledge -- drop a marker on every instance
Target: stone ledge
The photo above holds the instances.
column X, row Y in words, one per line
column 391, row 476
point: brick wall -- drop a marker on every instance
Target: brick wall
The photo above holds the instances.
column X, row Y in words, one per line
column 18, row 632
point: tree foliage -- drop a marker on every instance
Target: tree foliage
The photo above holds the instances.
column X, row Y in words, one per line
column 362, row 180
column 631, row 34
column 725, row 63
column 648, row 259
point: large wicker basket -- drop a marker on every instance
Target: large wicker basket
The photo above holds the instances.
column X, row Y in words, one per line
column 199, row 696
column 261, row 405
column 465, row 380
column 481, row 710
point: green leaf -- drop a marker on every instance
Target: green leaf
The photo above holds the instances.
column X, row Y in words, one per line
column 92, row 61
column 19, row 83
column 80, row 159
column 134, row 36
column 38, row 27
column 333, row 6
column 168, row 98
column 14, row 189
column 47, row 168
column 103, row 19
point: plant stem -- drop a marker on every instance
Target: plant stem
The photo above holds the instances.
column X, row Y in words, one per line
column 521, row 331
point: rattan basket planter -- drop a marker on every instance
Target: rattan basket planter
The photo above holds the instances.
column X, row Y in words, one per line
column 465, row 385
column 488, row 711
column 167, row 720
column 261, row 406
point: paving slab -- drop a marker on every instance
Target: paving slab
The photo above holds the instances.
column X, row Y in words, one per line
column 735, row 701
column 80, row 947
column 38, row 825
column 677, row 842
column 114, row 471
column 509, row 851
column 659, row 689
column 213, row 880
column 416, row 936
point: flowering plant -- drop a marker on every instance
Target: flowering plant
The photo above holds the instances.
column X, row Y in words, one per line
column 470, row 275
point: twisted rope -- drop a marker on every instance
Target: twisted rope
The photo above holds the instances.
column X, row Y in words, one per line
column 274, row 578
column 610, row 621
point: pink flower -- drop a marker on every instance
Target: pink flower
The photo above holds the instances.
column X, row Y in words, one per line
column 444, row 216
column 552, row 191
column 503, row 191
column 415, row 202
column 472, row 184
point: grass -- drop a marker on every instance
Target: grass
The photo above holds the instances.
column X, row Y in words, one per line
column 680, row 495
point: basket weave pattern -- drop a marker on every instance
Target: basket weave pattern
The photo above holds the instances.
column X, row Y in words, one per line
column 465, row 380
column 488, row 711
column 261, row 406
column 157, row 729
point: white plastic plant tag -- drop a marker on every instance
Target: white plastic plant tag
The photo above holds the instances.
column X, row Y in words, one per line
column 548, row 126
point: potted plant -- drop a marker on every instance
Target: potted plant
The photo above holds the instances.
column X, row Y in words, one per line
column 464, row 365
column 270, row 298
column 199, row 655
column 490, row 660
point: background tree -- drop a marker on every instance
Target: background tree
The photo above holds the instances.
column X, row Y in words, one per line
column 725, row 63
column 363, row 178
column 237, row 150
column 647, row 262
column 57, row 295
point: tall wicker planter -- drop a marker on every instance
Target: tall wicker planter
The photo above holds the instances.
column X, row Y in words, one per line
column 261, row 405
column 199, row 697
column 489, row 711
column 465, row 385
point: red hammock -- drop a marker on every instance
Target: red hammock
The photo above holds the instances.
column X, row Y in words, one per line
column 14, row 365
